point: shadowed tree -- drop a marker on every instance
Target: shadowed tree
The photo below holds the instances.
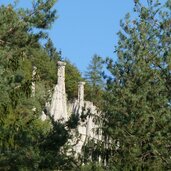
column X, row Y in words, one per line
column 137, row 108
column 94, row 77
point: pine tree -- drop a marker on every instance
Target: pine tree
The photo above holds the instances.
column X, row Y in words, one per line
column 73, row 76
column 95, row 80
column 52, row 51
column 94, row 72
column 26, row 142
column 137, row 109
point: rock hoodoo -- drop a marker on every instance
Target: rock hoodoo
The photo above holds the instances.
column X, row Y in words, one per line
column 60, row 109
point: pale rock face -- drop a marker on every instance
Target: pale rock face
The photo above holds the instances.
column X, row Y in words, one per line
column 58, row 107
column 43, row 116
column 33, row 86
column 92, row 126
column 87, row 128
column 81, row 94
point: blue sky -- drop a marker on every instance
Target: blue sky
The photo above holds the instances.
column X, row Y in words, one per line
column 86, row 27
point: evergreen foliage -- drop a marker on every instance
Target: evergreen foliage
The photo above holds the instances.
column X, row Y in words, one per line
column 73, row 76
column 27, row 143
column 94, row 72
column 135, row 102
column 137, row 110
column 94, row 78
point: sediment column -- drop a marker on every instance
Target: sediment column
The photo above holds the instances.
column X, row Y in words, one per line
column 33, row 86
column 61, row 75
column 81, row 128
column 81, row 94
column 61, row 89
column 58, row 108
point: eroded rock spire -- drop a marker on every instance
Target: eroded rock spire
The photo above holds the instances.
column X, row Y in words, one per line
column 58, row 106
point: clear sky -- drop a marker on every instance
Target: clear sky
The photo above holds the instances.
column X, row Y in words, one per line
column 86, row 27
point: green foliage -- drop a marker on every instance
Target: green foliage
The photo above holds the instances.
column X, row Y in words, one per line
column 73, row 121
column 136, row 105
column 27, row 143
column 73, row 76
column 137, row 111
column 91, row 167
column 51, row 51
column 95, row 83
column 52, row 148
column 94, row 72
column 46, row 68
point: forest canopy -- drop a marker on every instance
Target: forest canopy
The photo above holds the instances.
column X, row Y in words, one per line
column 134, row 99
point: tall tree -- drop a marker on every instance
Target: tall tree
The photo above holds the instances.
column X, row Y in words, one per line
column 94, row 72
column 94, row 78
column 137, row 111
column 73, row 76
column 52, row 51
column 26, row 142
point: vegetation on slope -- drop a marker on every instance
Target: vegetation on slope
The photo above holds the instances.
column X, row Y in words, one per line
column 135, row 100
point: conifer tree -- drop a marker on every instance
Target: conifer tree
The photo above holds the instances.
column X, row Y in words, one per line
column 137, row 109
column 94, row 72
column 52, row 51
column 26, row 142
column 95, row 80
column 73, row 76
